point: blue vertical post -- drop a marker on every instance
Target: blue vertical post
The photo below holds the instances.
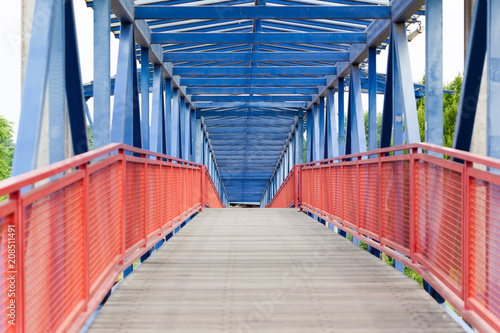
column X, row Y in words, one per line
column 144, row 97
column 174, row 125
column 309, row 129
column 184, row 144
column 34, row 91
column 193, row 132
column 300, row 139
column 198, row 154
column 74, row 89
column 156, row 111
column 57, row 97
column 322, row 132
column 493, row 115
column 102, row 80
column 386, row 131
column 316, row 128
column 341, row 110
column 333, row 149
column 167, row 104
column 434, row 72
column 474, row 64
column 372, row 98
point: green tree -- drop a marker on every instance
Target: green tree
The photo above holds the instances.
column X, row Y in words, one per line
column 6, row 149
column 91, row 137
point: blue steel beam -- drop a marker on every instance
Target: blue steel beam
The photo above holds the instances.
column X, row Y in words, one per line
column 156, row 111
column 258, row 38
column 168, row 114
column 474, row 64
column 333, row 149
column 291, row 105
column 102, row 81
column 341, row 111
column 263, row 12
column 234, row 113
column 434, row 72
column 372, row 98
column 492, row 112
column 144, row 101
column 259, row 57
column 282, row 98
column 250, row 90
column 247, row 82
column 225, row 71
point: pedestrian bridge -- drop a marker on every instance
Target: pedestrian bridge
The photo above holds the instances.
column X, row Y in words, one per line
column 215, row 102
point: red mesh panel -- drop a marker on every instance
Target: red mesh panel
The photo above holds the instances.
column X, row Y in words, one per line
column 484, row 240
column 134, row 208
column 336, row 191
column 316, row 201
column 176, row 201
column 105, row 214
column 153, row 198
column 325, row 189
column 396, row 202
column 350, row 194
column 183, row 190
column 368, row 197
column 190, row 188
column 54, row 259
column 284, row 198
column 438, row 219
column 166, row 188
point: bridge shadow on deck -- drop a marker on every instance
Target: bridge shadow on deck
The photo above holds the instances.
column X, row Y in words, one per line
column 267, row 270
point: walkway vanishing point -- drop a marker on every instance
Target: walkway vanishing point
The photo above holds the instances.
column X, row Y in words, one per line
column 267, row 270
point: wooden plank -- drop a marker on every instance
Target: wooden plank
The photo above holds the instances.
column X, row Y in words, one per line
column 262, row 270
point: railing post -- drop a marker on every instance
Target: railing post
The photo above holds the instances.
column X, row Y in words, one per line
column 465, row 233
column 122, row 202
column 413, row 245
column 86, row 243
column 145, row 201
column 202, row 187
column 379, row 180
column 296, row 187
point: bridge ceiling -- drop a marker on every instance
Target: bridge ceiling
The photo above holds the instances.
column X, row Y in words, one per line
column 252, row 67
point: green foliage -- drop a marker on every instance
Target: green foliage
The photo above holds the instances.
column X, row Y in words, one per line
column 379, row 127
column 450, row 107
column 91, row 137
column 305, row 150
column 6, row 149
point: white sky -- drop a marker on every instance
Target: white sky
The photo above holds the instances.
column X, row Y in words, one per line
column 10, row 57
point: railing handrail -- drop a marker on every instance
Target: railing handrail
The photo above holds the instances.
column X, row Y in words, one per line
column 15, row 183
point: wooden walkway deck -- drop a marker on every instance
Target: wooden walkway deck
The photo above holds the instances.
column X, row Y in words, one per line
column 267, row 270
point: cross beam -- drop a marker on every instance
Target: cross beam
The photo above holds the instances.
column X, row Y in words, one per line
column 255, row 57
column 263, row 12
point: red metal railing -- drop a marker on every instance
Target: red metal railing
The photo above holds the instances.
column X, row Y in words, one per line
column 439, row 217
column 64, row 240
column 211, row 197
column 287, row 194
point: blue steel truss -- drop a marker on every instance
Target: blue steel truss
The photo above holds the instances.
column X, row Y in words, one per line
column 235, row 84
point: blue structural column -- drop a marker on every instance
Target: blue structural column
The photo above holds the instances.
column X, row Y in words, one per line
column 174, row 125
column 333, row 149
column 341, row 111
column 309, row 139
column 434, row 72
column 156, row 111
column 356, row 135
column 145, row 97
column 193, row 133
column 57, row 101
column 168, row 115
column 372, row 98
column 322, row 129
column 300, row 139
column 474, row 64
column 316, row 133
column 102, row 80
column 493, row 115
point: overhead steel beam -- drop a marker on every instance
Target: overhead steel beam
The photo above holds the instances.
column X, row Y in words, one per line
column 246, row 82
column 251, row 90
column 258, row 38
column 283, row 98
column 229, row 71
column 234, row 113
column 292, row 105
column 263, row 12
column 252, row 57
